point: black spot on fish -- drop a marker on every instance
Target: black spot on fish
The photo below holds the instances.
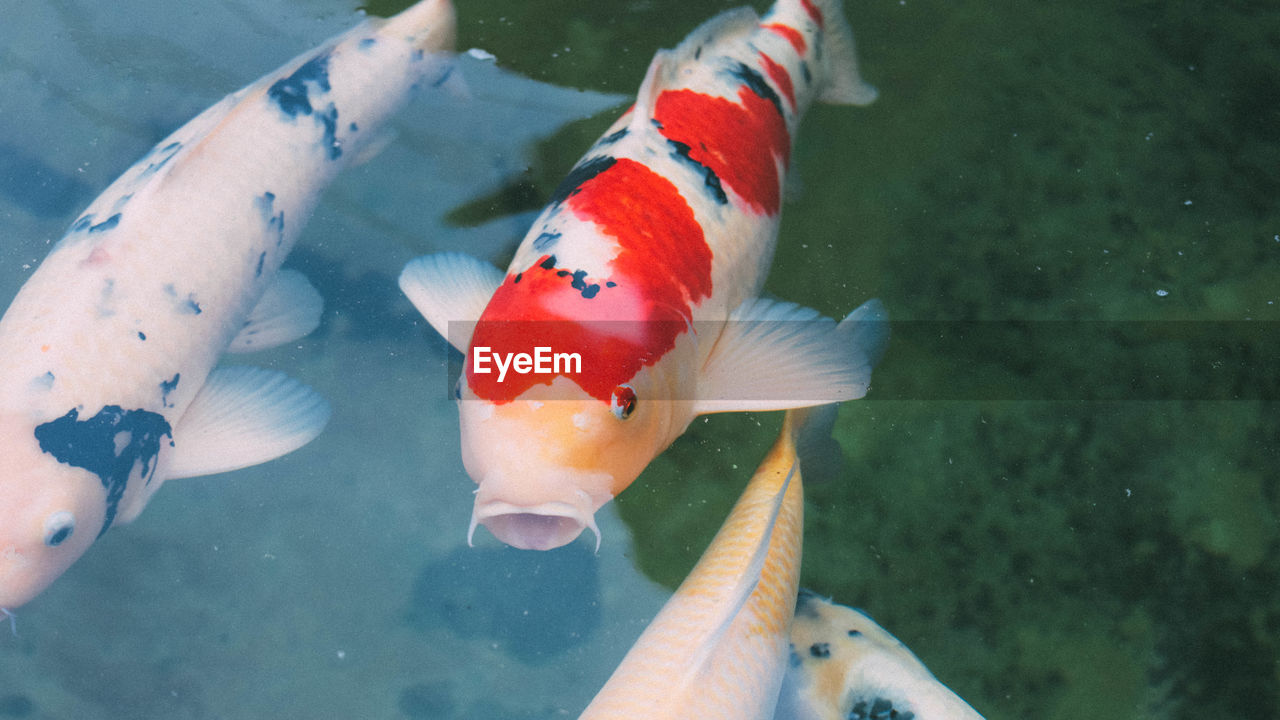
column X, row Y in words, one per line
column 262, row 258
column 142, row 336
column 578, row 280
column 353, row 127
column 265, row 205
column 187, row 306
column 81, row 223
column 756, row 82
column 293, row 96
column 444, row 77
column 167, row 387
column 165, row 154
column 805, row 73
column 579, row 175
column 108, row 445
column 45, row 381
column 612, row 137
column 855, row 633
column 806, row 603
column 329, row 121
column 681, row 152
column 656, row 123
column 697, row 54
column 107, row 224
column 820, row 650
column 611, row 284
column 545, row 241
column 367, row 43
column 878, row 709
column 518, row 277
column 580, row 284
column 291, row 93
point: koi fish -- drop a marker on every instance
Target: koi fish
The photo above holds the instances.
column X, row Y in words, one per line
column 734, row 642
column 718, row 648
column 107, row 386
column 845, row 667
column 631, row 306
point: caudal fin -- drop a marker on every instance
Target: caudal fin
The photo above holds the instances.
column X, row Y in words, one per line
column 842, row 82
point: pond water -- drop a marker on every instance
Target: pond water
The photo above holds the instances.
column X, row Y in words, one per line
column 1063, row 492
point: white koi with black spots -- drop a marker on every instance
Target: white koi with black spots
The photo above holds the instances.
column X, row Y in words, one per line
column 647, row 266
column 844, row 666
column 107, row 353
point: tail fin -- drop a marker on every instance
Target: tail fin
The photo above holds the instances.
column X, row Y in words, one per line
column 843, row 84
column 866, row 332
column 818, row 453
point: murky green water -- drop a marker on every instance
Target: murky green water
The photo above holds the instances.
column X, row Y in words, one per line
column 1062, row 492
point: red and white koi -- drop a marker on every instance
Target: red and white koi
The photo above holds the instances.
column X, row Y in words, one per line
column 647, row 266
column 107, row 387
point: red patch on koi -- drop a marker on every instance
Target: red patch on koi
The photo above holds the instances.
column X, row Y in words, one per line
column 663, row 266
column 792, row 35
column 780, row 77
column 813, row 11
column 740, row 143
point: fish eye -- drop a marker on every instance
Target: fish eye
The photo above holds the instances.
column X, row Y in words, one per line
column 58, row 527
column 623, row 402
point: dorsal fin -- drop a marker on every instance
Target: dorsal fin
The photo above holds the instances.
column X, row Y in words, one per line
column 666, row 63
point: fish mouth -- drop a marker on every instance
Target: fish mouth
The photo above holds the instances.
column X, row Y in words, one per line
column 541, row 527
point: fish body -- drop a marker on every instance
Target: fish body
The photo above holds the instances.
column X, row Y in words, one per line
column 845, row 667
column 718, row 647
column 645, row 269
column 107, row 353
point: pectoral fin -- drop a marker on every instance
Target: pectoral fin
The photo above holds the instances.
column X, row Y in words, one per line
column 289, row 309
column 244, row 416
column 775, row 355
column 450, row 288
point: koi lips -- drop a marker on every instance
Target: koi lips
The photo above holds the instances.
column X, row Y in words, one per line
column 541, row 525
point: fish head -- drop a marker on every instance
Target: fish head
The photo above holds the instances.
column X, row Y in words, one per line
column 50, row 513
column 843, row 658
column 547, row 460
